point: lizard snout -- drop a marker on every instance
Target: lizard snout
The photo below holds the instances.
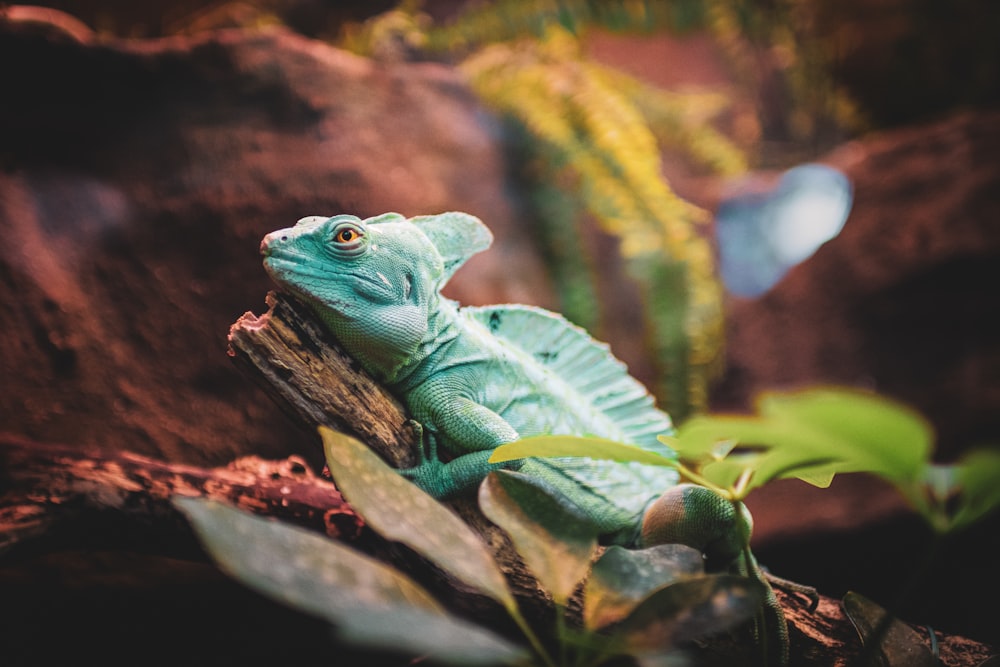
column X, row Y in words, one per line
column 270, row 240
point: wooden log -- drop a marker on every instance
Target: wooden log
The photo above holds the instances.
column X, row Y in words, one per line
column 296, row 361
column 58, row 495
column 303, row 369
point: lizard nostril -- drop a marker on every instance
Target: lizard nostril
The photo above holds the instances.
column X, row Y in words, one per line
column 269, row 240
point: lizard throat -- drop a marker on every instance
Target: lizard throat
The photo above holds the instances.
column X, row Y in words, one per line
column 442, row 331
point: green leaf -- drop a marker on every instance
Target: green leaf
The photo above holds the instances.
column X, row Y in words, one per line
column 977, row 475
column 299, row 567
column 370, row 603
column 811, row 435
column 900, row 644
column 398, row 510
column 889, row 438
column 688, row 610
column 556, row 542
column 777, row 463
column 441, row 639
column 622, row 578
column 550, row 446
column 821, row 478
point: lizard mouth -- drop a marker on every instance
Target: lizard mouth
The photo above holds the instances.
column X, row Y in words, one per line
column 294, row 273
column 287, row 269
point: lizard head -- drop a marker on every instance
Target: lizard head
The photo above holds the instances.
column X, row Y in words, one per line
column 373, row 282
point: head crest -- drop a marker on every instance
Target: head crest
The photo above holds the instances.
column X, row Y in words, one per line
column 457, row 237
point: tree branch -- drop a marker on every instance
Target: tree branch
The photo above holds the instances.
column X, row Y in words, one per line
column 52, row 494
column 303, row 369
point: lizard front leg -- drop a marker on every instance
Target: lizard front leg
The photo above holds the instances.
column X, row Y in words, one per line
column 472, row 427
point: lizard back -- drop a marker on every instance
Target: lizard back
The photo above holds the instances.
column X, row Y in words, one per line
column 614, row 405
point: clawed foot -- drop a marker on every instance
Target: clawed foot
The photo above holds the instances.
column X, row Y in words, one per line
column 795, row 588
column 428, row 470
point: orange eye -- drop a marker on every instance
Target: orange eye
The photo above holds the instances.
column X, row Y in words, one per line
column 346, row 236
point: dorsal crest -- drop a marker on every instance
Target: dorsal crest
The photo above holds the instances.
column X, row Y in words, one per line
column 587, row 364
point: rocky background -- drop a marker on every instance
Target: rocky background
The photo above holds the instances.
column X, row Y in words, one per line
column 138, row 177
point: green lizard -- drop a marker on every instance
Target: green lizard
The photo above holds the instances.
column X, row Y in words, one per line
column 475, row 378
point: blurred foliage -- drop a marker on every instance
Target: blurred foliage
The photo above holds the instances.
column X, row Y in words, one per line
column 812, row 435
column 589, row 141
column 772, row 48
column 636, row 603
column 588, row 148
column 589, row 137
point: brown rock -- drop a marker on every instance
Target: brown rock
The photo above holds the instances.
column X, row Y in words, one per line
column 138, row 180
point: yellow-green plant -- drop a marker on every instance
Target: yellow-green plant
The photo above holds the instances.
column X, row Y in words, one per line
column 592, row 136
column 775, row 46
column 590, row 143
column 592, row 140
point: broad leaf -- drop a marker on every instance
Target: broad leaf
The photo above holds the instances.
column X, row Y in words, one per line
column 899, row 645
column 299, row 567
column 398, row 510
column 622, row 578
column 976, row 476
column 688, row 610
column 369, row 602
column 974, row 480
column 446, row 639
column 771, row 464
column 811, row 435
column 550, row 446
column 554, row 539
column 888, row 437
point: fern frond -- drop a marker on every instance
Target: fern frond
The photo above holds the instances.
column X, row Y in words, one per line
column 508, row 20
column 682, row 120
column 598, row 133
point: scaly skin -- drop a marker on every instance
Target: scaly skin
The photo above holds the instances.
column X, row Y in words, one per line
column 477, row 378
column 375, row 284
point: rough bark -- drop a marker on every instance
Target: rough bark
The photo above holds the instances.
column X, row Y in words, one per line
column 306, row 372
column 300, row 366
column 61, row 496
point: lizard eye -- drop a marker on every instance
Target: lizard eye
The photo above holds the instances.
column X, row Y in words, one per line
column 348, row 238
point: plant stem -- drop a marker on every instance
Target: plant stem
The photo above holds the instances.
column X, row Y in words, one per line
column 561, row 632
column 536, row 644
column 740, row 488
column 692, row 476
